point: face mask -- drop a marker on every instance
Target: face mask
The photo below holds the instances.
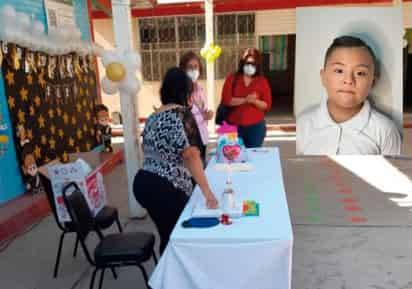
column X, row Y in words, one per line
column 193, row 74
column 249, row 69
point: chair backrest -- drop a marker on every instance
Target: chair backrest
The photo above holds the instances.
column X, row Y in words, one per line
column 48, row 189
column 78, row 210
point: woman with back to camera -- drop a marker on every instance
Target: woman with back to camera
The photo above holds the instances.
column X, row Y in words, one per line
column 247, row 93
column 171, row 157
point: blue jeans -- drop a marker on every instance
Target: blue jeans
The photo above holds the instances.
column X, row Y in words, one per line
column 253, row 135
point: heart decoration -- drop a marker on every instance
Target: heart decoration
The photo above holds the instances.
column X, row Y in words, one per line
column 231, row 152
column 210, row 52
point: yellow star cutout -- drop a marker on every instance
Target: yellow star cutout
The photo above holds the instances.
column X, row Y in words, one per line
column 88, row 115
column 53, row 129
column 11, row 102
column 65, row 157
column 65, row 118
column 85, row 128
column 87, row 92
column 37, row 100
column 81, row 92
column 10, row 78
column 24, row 93
column 88, row 146
column 37, row 152
column 59, row 111
column 77, row 149
column 52, row 143
column 60, row 133
column 91, row 105
column 29, row 79
column 51, row 113
column 91, row 81
column 74, row 121
column 79, row 134
column 22, row 116
column 85, row 79
column 43, row 139
column 84, row 103
column 41, row 121
column 78, row 107
column 32, row 110
column 71, row 142
column 92, row 131
column 30, row 134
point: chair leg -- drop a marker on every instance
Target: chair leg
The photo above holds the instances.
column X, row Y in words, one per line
column 76, row 246
column 93, row 277
column 114, row 272
column 154, row 257
column 119, row 225
column 144, row 275
column 101, row 278
column 59, row 252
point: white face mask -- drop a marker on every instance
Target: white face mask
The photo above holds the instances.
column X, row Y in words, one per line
column 193, row 74
column 249, row 69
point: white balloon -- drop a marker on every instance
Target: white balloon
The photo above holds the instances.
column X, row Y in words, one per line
column 37, row 28
column 23, row 21
column 109, row 86
column 110, row 57
column 8, row 11
column 130, row 84
column 97, row 50
column 132, row 60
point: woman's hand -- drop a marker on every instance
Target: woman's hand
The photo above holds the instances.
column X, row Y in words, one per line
column 208, row 115
column 211, row 201
column 251, row 98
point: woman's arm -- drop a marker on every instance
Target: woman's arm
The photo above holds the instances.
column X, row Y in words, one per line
column 192, row 161
column 228, row 98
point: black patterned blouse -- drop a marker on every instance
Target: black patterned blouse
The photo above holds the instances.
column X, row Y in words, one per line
column 165, row 136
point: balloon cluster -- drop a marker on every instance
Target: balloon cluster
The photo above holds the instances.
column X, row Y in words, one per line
column 121, row 69
column 210, row 52
column 19, row 28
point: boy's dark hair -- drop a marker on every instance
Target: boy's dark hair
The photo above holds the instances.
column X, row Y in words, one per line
column 187, row 57
column 100, row 107
column 347, row 41
column 176, row 87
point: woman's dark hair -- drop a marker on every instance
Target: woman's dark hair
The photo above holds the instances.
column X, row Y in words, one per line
column 351, row 42
column 187, row 57
column 176, row 87
column 253, row 53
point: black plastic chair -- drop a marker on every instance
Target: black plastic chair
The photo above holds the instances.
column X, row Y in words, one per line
column 114, row 250
column 103, row 220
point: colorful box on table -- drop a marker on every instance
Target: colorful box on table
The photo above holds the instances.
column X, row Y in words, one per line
column 230, row 147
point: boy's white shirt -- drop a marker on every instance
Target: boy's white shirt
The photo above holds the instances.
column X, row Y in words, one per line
column 368, row 132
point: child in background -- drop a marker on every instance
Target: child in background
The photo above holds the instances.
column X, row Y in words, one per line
column 345, row 122
column 104, row 131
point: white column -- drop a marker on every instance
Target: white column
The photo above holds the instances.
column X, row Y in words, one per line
column 210, row 67
column 122, row 26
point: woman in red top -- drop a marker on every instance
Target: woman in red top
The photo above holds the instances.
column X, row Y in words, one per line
column 247, row 93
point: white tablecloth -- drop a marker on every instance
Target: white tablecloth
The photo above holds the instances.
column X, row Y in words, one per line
column 253, row 252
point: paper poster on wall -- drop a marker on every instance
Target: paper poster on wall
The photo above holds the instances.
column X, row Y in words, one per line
column 91, row 186
column 60, row 13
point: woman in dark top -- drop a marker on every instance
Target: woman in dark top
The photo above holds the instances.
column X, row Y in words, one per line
column 171, row 143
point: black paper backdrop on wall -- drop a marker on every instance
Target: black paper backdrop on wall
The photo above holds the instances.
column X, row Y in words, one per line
column 52, row 99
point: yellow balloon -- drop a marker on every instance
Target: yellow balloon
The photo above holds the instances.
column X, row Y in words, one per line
column 211, row 52
column 115, row 71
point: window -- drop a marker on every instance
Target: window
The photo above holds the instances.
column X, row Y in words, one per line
column 165, row 39
column 276, row 47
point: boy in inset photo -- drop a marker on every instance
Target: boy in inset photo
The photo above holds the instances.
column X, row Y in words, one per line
column 345, row 122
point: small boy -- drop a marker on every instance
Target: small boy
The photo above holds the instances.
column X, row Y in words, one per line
column 345, row 122
column 104, row 131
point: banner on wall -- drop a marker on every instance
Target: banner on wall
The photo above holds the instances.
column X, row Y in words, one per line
column 60, row 13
